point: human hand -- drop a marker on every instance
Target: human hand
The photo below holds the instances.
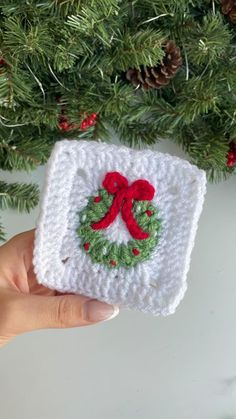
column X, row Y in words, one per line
column 26, row 305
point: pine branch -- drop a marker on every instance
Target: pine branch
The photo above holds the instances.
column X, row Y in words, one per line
column 198, row 97
column 30, row 41
column 154, row 110
column 14, row 87
column 63, row 59
column 106, row 97
column 216, row 175
column 141, row 48
column 136, row 134
column 210, row 152
column 22, row 153
column 211, row 40
column 26, row 120
column 2, row 233
column 71, row 7
column 62, row 9
column 95, row 21
column 22, row 197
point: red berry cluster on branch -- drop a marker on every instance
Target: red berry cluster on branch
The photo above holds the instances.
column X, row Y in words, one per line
column 64, row 124
column 89, row 121
column 231, row 155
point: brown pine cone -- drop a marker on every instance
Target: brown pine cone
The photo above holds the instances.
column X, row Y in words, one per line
column 160, row 75
column 228, row 8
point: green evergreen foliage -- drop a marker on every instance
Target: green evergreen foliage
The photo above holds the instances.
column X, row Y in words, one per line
column 22, row 197
column 80, row 50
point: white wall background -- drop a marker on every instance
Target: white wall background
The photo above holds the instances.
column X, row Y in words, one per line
column 138, row 366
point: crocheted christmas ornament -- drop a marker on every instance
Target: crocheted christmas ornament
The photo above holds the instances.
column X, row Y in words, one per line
column 118, row 224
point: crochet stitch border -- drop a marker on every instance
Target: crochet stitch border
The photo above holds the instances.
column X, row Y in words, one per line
column 74, row 172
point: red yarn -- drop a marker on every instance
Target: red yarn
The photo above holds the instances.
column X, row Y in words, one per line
column 117, row 185
column 97, row 199
column 113, row 262
column 86, row 246
column 135, row 251
column 149, row 213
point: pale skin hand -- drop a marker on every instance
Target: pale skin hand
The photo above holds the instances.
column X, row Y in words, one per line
column 25, row 305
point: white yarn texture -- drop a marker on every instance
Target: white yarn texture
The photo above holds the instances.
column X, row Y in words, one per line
column 75, row 172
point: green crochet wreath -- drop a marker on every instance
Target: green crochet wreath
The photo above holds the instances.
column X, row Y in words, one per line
column 111, row 254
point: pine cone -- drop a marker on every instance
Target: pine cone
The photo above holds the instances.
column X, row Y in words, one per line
column 228, row 8
column 156, row 77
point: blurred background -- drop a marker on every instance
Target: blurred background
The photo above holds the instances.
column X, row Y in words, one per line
column 137, row 366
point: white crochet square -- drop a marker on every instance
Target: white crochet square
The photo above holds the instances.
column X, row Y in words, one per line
column 75, row 171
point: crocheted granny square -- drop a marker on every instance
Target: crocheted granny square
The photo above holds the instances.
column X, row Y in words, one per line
column 118, row 224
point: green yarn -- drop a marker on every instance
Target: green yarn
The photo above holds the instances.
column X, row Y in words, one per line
column 111, row 254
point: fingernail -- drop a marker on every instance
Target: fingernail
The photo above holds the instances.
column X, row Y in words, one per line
column 96, row 311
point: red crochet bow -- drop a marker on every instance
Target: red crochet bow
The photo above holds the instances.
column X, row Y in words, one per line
column 117, row 185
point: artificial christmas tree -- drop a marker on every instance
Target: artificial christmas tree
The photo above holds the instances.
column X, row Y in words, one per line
column 61, row 62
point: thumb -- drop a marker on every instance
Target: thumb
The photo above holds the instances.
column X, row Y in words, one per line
column 23, row 313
